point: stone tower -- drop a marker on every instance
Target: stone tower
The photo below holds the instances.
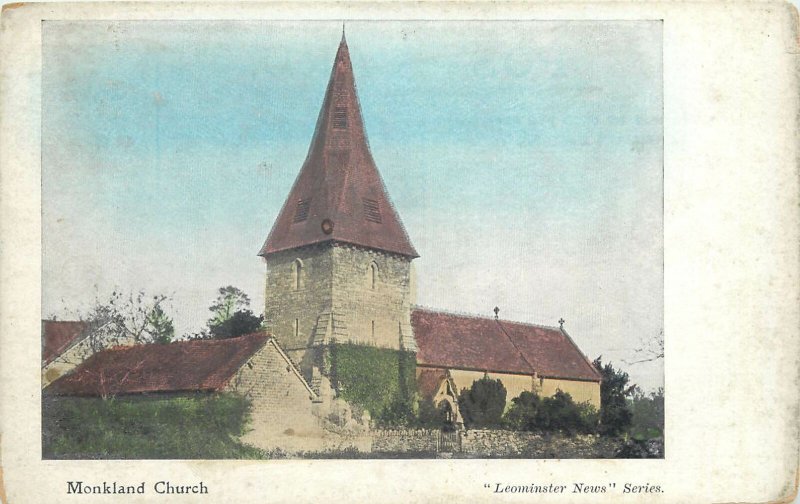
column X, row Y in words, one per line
column 338, row 257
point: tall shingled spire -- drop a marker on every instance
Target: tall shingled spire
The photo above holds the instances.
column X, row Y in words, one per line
column 339, row 195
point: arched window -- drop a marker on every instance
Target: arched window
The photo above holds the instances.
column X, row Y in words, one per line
column 297, row 274
column 373, row 275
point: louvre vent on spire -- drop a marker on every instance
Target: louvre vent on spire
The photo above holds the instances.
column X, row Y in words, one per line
column 339, row 182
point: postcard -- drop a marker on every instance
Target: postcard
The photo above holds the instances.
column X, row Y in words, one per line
column 397, row 252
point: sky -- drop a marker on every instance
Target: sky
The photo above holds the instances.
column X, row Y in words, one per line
column 524, row 158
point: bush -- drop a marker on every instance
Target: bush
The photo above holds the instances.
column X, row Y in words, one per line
column 428, row 415
column 529, row 412
column 397, row 413
column 482, row 405
column 648, row 415
column 615, row 417
column 185, row 427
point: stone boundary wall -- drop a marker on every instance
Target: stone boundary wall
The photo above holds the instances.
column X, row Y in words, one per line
column 497, row 444
column 404, row 440
column 502, row 443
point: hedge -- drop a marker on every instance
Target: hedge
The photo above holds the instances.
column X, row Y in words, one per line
column 190, row 426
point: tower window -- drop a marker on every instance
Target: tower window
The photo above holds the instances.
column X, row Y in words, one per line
column 296, row 328
column 297, row 274
column 301, row 212
column 372, row 210
column 340, row 118
column 373, row 275
column 373, row 329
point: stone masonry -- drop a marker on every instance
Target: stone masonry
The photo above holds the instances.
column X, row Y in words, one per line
column 319, row 294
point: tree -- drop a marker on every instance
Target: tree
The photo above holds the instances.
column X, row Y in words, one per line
column 524, row 413
column 229, row 301
column 615, row 416
column 482, row 405
column 529, row 412
column 649, row 350
column 240, row 323
column 160, row 326
column 648, row 414
column 132, row 319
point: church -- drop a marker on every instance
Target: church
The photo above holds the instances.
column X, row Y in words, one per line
column 339, row 270
column 343, row 336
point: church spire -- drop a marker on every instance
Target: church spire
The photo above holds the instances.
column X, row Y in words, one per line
column 339, row 194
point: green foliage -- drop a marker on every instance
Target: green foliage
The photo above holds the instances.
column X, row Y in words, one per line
column 428, row 415
column 648, row 414
column 186, row 427
column 229, row 300
column 159, row 325
column 482, row 405
column 240, row 323
column 615, row 416
column 397, row 413
column 529, row 412
column 126, row 318
column 379, row 380
column 524, row 413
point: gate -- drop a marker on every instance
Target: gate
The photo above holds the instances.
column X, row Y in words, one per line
column 449, row 442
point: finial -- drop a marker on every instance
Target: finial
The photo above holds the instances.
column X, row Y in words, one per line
column 343, row 39
column 496, row 312
column 561, row 323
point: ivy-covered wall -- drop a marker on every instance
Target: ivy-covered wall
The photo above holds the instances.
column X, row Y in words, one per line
column 372, row 377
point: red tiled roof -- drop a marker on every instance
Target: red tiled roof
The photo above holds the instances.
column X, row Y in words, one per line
column 551, row 351
column 429, row 380
column 339, row 181
column 58, row 336
column 463, row 342
column 198, row 365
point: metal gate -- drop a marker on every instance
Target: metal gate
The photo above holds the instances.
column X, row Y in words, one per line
column 449, row 442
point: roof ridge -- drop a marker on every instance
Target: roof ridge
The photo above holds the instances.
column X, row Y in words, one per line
column 458, row 313
column 184, row 342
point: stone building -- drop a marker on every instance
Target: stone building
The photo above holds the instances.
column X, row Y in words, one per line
column 339, row 270
column 67, row 343
column 338, row 257
column 459, row 349
column 286, row 413
column 64, row 346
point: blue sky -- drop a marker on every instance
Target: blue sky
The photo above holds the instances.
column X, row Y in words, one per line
column 525, row 159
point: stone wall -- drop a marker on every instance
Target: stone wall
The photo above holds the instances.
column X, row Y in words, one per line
column 404, row 440
column 375, row 314
column 282, row 414
column 285, row 303
column 501, row 443
column 497, row 444
column 337, row 299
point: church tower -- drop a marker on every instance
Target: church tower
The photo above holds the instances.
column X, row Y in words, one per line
column 338, row 257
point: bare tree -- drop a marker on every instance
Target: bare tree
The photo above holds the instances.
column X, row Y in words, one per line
column 649, row 350
column 122, row 319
